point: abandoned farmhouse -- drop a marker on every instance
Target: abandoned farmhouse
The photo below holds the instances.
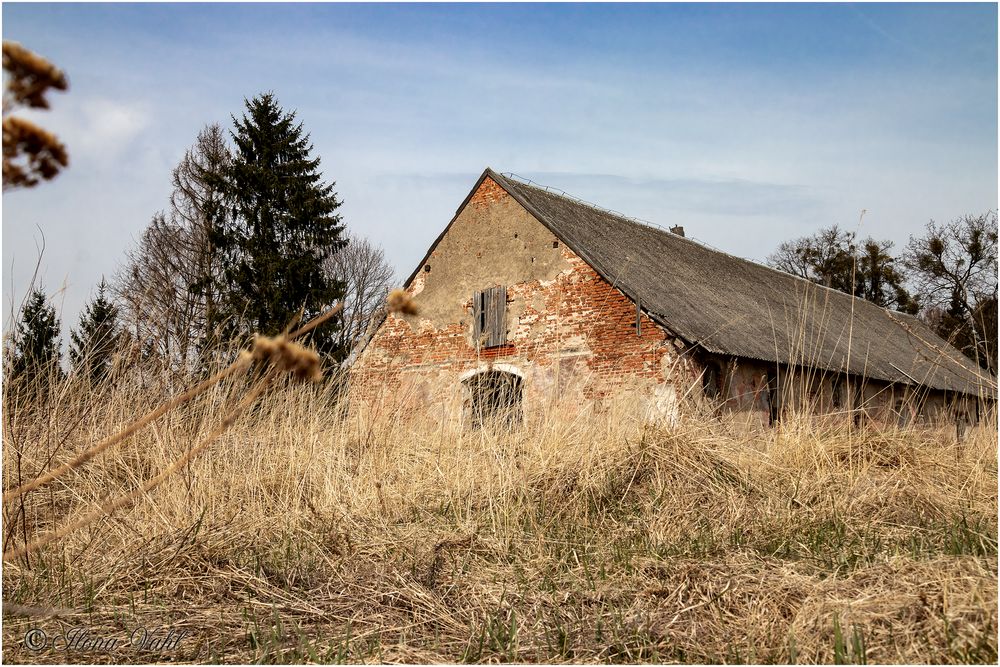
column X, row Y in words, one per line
column 529, row 298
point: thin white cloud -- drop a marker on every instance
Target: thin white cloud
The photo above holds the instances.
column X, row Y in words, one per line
column 112, row 127
column 98, row 130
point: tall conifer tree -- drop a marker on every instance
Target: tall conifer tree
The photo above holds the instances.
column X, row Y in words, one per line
column 282, row 228
column 93, row 344
column 36, row 353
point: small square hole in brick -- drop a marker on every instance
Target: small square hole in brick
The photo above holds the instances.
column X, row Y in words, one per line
column 555, row 244
column 427, row 268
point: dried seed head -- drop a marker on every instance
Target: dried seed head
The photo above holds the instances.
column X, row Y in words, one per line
column 30, row 77
column 400, row 302
column 301, row 362
column 30, row 153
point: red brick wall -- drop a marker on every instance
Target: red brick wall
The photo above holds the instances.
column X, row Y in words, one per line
column 489, row 192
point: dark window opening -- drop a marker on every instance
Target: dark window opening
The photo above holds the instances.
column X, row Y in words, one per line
column 427, row 268
column 903, row 414
column 837, row 396
column 711, row 380
column 860, row 405
column 495, row 399
column 555, row 244
column 773, row 397
column 489, row 317
column 962, row 422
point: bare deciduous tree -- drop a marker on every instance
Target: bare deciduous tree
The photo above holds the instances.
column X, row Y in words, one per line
column 827, row 258
column 169, row 284
column 833, row 258
column 954, row 269
column 367, row 276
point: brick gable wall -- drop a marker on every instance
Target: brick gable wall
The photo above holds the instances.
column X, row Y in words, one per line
column 571, row 335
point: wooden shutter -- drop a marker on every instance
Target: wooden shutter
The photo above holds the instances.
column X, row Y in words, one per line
column 489, row 317
column 498, row 320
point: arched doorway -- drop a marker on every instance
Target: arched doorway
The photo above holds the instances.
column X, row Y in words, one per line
column 494, row 399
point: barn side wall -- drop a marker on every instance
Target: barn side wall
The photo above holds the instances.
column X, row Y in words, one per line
column 571, row 336
column 744, row 394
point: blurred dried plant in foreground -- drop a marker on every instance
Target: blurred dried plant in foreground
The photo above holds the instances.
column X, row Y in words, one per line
column 31, row 154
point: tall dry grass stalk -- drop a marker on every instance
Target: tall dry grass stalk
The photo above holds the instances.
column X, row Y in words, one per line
column 307, row 534
column 280, row 354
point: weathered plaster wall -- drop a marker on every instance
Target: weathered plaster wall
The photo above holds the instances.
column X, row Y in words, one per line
column 571, row 335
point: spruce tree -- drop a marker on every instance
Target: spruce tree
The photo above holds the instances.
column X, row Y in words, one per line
column 36, row 353
column 282, row 227
column 93, row 344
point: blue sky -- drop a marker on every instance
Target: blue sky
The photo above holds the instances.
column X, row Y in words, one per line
column 747, row 124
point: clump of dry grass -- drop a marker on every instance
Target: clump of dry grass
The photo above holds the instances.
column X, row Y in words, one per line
column 307, row 535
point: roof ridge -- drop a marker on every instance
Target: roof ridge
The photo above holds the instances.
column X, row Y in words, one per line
column 559, row 192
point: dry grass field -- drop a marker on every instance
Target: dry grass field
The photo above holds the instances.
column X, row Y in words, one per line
column 302, row 536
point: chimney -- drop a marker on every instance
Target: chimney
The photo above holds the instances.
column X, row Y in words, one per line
column 677, row 230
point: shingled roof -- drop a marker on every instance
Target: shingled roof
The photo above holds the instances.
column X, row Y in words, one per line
column 732, row 306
